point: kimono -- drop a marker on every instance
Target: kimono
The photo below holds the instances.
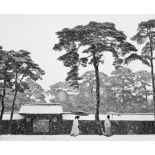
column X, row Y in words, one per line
column 75, row 129
column 107, row 126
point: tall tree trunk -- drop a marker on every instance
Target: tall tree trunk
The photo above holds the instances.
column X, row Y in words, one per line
column 97, row 118
column 95, row 63
column 12, row 111
column 152, row 74
column 13, row 105
column 2, row 105
column 153, row 85
column 96, row 67
column 1, row 115
column 97, row 93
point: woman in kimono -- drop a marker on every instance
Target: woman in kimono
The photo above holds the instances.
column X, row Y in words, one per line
column 75, row 129
column 107, row 126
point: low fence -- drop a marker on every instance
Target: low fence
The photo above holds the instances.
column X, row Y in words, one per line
column 17, row 127
column 92, row 128
column 87, row 127
column 118, row 127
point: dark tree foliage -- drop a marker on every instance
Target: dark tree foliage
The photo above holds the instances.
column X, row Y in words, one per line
column 86, row 44
column 15, row 66
column 146, row 36
column 23, row 67
column 6, row 75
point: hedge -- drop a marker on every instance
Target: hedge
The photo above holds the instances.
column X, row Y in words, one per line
column 118, row 127
column 86, row 127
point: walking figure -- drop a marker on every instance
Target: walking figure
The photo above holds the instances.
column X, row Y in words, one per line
column 107, row 126
column 75, row 127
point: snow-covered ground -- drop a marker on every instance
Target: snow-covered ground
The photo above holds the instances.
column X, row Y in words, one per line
column 78, row 138
column 121, row 117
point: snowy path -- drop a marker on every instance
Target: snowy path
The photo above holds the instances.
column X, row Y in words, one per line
column 79, row 138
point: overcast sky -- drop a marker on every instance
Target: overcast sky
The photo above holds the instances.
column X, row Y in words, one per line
column 36, row 34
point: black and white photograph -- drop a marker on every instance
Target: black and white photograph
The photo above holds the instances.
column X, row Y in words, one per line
column 77, row 77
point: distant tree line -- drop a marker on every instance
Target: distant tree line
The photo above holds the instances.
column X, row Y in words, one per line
column 123, row 91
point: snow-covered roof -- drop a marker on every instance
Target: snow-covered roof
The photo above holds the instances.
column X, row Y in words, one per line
column 41, row 109
column 123, row 117
column 6, row 116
